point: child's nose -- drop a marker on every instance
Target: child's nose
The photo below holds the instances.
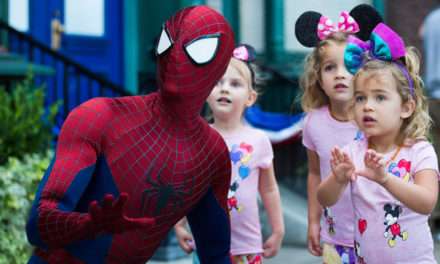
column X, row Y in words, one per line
column 224, row 88
column 368, row 106
column 342, row 72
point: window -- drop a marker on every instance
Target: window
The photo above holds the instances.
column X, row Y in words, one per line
column 19, row 14
column 84, row 17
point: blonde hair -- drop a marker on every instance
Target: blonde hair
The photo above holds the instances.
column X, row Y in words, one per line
column 313, row 95
column 416, row 126
column 245, row 72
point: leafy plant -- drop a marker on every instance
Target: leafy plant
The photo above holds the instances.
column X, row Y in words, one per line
column 25, row 127
column 18, row 183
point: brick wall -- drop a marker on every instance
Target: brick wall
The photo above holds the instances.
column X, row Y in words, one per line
column 406, row 17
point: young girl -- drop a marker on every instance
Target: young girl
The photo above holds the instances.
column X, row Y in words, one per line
column 392, row 170
column 252, row 168
column 326, row 99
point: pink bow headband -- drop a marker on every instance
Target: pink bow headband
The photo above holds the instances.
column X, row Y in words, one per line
column 244, row 52
column 247, row 54
column 346, row 24
column 312, row 27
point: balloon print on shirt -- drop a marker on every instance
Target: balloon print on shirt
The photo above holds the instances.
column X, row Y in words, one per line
column 330, row 220
column 401, row 169
column 359, row 136
column 240, row 156
column 392, row 228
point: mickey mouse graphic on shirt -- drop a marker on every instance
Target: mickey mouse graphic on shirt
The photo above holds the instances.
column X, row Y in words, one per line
column 393, row 229
column 330, row 220
column 240, row 156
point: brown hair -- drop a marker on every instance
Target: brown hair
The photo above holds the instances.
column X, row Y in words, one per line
column 416, row 126
column 312, row 95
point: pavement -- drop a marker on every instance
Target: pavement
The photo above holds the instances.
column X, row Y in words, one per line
column 296, row 255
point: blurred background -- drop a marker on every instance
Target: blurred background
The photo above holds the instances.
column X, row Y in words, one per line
column 56, row 54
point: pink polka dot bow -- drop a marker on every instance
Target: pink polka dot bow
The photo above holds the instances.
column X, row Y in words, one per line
column 346, row 24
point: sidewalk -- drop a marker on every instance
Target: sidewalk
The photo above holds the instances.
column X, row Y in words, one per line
column 286, row 255
column 297, row 255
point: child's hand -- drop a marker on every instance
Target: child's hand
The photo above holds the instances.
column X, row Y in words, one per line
column 185, row 239
column 374, row 167
column 342, row 166
column 313, row 238
column 272, row 245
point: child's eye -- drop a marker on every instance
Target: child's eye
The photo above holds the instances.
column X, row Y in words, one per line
column 329, row 67
column 380, row 98
column 359, row 98
column 236, row 84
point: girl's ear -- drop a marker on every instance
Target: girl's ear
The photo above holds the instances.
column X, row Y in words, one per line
column 252, row 98
column 408, row 109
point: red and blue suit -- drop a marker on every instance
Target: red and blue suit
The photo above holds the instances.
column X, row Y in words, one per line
column 127, row 169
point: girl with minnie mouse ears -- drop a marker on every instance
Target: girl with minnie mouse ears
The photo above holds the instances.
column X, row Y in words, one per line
column 251, row 157
column 326, row 98
column 392, row 171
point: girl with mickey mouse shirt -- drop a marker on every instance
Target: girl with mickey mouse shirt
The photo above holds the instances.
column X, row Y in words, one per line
column 392, row 171
column 327, row 98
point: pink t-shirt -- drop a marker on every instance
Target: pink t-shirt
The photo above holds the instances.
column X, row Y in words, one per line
column 321, row 133
column 386, row 230
column 250, row 150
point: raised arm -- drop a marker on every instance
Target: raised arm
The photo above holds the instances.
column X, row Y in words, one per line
column 343, row 170
column 420, row 195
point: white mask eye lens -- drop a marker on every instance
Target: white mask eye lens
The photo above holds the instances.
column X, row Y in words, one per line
column 164, row 43
column 203, row 50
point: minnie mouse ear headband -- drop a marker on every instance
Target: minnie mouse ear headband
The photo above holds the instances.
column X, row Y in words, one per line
column 312, row 27
column 244, row 52
column 384, row 45
column 247, row 54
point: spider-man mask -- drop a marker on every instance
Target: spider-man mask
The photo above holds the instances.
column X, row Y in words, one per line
column 193, row 51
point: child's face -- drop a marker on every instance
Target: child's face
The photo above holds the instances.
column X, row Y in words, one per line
column 378, row 107
column 231, row 95
column 335, row 79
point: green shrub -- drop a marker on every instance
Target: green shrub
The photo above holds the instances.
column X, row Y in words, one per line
column 25, row 127
column 18, row 183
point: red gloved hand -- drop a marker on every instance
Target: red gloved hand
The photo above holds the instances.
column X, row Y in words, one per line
column 110, row 217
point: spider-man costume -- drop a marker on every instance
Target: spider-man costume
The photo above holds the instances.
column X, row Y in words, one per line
column 127, row 169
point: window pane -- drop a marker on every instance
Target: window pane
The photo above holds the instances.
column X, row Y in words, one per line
column 252, row 23
column 215, row 4
column 19, row 14
column 84, row 17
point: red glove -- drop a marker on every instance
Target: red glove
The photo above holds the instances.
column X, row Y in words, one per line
column 110, row 217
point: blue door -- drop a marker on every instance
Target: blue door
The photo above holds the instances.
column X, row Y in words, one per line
column 91, row 32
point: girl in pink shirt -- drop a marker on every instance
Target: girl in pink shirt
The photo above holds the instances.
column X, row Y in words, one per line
column 252, row 168
column 326, row 99
column 391, row 172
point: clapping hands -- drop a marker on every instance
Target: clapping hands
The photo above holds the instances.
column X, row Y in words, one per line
column 342, row 166
column 345, row 171
column 374, row 167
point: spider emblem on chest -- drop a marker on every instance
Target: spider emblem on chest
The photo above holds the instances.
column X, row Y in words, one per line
column 162, row 190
